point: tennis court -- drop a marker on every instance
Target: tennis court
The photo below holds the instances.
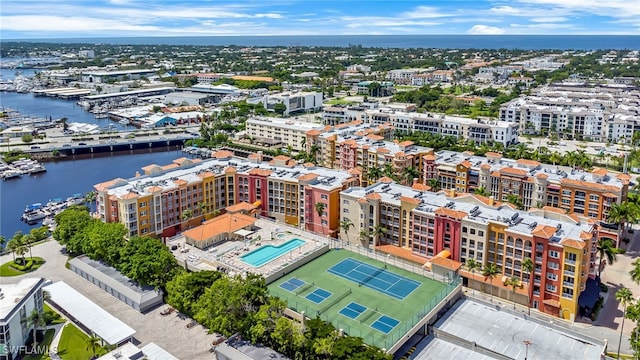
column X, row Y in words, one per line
column 379, row 279
column 318, row 295
column 360, row 311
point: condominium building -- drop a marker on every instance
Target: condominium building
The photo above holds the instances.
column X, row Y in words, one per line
column 480, row 131
column 336, row 115
column 168, row 199
column 588, row 194
column 287, row 132
column 294, row 101
column 17, row 301
column 576, row 111
column 422, row 224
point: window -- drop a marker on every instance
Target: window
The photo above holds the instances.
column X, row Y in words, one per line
column 551, row 288
column 464, row 229
column 554, row 254
column 480, row 233
column 473, row 231
column 552, row 277
column 324, row 197
column 345, row 210
column 345, row 202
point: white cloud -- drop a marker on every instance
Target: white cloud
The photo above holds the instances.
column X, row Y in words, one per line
column 424, row 12
column 552, row 19
column 505, row 10
column 612, row 8
column 485, row 30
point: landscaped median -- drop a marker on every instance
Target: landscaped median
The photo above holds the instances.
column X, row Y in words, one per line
column 27, row 265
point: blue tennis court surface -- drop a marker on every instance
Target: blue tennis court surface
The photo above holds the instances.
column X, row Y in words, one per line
column 353, row 310
column 385, row 324
column 375, row 278
column 318, row 296
column 292, row 284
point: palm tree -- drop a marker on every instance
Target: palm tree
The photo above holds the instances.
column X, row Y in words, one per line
column 514, row 282
column 37, row 320
column 472, row 265
column 3, row 242
column 93, row 343
column 12, row 246
column 320, row 206
column 410, row 173
column 345, row 225
column 635, row 272
column 616, row 215
column 624, row 297
column 21, row 250
column 435, row 184
column 389, row 171
column 378, row 231
column 527, row 266
column 482, row 191
column 606, row 248
column 515, row 200
column 555, row 157
column 28, row 241
column 202, row 207
column 373, row 174
column 187, row 214
column 364, row 235
column 490, row 271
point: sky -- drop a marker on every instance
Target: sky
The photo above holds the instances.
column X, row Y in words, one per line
column 33, row 19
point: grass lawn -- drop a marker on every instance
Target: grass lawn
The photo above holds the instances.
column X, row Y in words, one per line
column 339, row 102
column 407, row 311
column 7, row 270
column 44, row 342
column 73, row 346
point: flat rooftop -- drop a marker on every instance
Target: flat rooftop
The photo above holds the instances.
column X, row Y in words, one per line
column 14, row 293
column 504, row 332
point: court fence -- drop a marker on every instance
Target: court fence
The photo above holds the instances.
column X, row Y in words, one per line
column 357, row 329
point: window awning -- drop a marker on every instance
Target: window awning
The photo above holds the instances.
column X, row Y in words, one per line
column 243, row 232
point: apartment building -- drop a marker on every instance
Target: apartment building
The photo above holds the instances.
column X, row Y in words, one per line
column 588, row 194
column 288, row 132
column 480, row 131
column 171, row 198
column 295, row 102
column 422, row 224
column 18, row 301
column 577, row 111
column 336, row 114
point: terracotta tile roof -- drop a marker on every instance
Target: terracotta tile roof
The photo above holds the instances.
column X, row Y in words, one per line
column 446, row 263
column 206, row 174
column 180, row 182
column 542, row 176
column 230, row 169
column 282, row 157
column 385, row 180
column 410, row 200
column 252, row 156
column 373, row 196
column 492, row 154
column 399, row 154
column 150, row 167
column 513, row 171
column 129, row 196
column 383, row 151
column 588, row 184
column 429, row 157
column 375, row 137
column 421, row 187
column 223, row 224
column 355, row 171
column 585, row 235
column 528, row 162
column 307, row 177
column 309, row 165
column 551, row 302
column 406, row 143
column 466, row 164
column 362, row 200
column 240, row 206
column 196, row 160
column 625, row 178
column 576, row 244
column 544, row 231
column 402, row 253
column 485, row 166
column 222, row 154
column 468, row 152
column 600, row 172
column 153, row 189
column 181, row 161
column 610, row 195
column 313, row 132
column 259, row 172
column 456, row 214
column 107, row 184
column 170, row 166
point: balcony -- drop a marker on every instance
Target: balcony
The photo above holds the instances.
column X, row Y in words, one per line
column 569, row 273
column 570, row 262
column 538, row 258
column 568, row 284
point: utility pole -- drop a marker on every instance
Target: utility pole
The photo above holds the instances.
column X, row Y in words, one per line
column 526, row 351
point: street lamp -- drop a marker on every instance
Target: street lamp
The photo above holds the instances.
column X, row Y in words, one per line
column 526, row 351
column 385, row 260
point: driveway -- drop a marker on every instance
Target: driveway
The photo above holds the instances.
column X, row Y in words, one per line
column 168, row 332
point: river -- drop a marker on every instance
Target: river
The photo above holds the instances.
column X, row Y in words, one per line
column 67, row 177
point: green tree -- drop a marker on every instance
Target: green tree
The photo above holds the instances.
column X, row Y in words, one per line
column 345, row 225
column 515, row 200
column 70, row 224
column 635, row 272
column 606, row 248
column 93, row 343
column 482, row 191
column 27, row 138
column 472, row 265
column 409, row 173
column 490, row 271
column 364, row 235
column 434, row 184
column 186, row 216
column 514, row 282
column 378, row 231
column 185, row 289
column 280, row 108
column 373, row 174
column 624, row 297
column 148, row 261
column 36, row 320
column 320, row 206
column 527, row 267
column 555, row 157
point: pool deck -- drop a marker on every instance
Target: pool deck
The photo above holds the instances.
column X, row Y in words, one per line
column 228, row 254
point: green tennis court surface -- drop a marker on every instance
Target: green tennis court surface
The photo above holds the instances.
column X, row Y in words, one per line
column 360, row 296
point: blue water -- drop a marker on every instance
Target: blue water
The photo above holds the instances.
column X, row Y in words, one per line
column 527, row 42
column 68, row 177
column 266, row 253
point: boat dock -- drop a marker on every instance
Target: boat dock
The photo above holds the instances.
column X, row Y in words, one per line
column 63, row 93
column 19, row 168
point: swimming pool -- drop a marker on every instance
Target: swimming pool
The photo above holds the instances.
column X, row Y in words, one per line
column 266, row 253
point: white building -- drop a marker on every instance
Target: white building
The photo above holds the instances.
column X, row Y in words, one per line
column 17, row 301
column 294, row 101
column 87, row 54
column 285, row 131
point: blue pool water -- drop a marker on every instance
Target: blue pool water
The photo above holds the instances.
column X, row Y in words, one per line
column 264, row 254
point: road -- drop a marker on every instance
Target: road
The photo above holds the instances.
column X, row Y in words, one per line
column 168, row 332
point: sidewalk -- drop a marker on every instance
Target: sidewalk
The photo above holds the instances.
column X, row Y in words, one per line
column 53, row 348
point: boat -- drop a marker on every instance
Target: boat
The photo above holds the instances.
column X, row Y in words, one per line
column 33, row 207
column 124, row 122
column 11, row 174
column 34, row 216
column 75, row 199
column 48, row 221
column 38, row 168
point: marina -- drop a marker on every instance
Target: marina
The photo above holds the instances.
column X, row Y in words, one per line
column 37, row 212
column 19, row 168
